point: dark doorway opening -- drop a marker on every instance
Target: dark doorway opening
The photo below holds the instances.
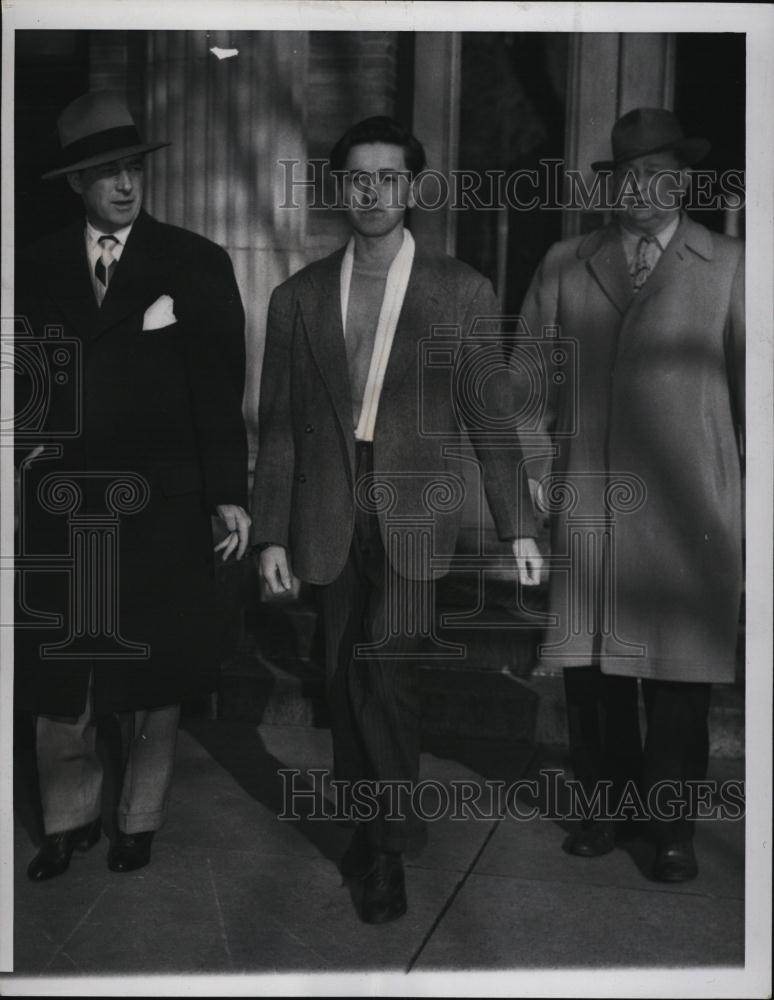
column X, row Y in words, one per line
column 512, row 116
column 52, row 69
column 710, row 91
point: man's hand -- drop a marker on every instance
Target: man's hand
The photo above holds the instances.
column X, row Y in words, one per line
column 238, row 522
column 275, row 570
column 529, row 561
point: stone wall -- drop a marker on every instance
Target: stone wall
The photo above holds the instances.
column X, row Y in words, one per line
column 285, row 95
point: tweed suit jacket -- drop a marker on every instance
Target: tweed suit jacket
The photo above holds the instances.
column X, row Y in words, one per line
column 305, row 495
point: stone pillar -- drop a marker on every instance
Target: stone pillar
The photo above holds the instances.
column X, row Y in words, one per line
column 437, row 73
column 230, row 121
column 610, row 73
column 352, row 75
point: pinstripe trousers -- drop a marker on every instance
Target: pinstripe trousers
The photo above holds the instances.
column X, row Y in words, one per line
column 373, row 694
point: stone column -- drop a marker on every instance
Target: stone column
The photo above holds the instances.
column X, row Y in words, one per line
column 610, row 73
column 437, row 72
column 231, row 119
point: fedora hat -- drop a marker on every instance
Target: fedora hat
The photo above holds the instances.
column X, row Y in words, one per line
column 97, row 128
column 650, row 130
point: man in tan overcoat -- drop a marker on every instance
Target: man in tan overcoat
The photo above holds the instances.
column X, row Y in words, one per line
column 644, row 488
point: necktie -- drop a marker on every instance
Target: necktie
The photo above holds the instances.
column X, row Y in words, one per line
column 645, row 259
column 105, row 266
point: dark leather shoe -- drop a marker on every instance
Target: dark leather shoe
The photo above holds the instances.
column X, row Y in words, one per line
column 130, row 851
column 675, row 862
column 592, row 840
column 384, row 889
column 57, row 849
column 356, row 860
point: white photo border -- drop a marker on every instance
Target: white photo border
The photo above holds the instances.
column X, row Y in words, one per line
column 757, row 21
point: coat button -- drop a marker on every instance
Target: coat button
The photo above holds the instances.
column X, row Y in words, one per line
column 309, row 429
column 302, row 478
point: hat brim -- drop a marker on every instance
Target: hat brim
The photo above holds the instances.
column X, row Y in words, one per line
column 689, row 150
column 106, row 157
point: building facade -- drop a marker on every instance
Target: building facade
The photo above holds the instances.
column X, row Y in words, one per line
column 249, row 112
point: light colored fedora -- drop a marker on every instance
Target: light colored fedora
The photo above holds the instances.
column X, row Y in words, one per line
column 650, row 130
column 97, row 128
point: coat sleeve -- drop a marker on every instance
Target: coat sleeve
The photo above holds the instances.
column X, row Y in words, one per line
column 504, row 474
column 539, row 310
column 735, row 348
column 274, row 467
column 216, row 372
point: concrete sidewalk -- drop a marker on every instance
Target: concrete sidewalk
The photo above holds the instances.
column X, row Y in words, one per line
column 233, row 889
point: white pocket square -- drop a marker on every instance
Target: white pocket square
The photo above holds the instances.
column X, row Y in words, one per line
column 159, row 314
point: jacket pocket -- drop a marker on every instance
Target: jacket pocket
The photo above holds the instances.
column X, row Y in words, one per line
column 153, row 332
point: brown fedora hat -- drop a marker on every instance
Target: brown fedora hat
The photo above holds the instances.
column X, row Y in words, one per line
column 650, row 130
column 97, row 128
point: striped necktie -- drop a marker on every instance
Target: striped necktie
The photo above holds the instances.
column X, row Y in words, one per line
column 645, row 259
column 105, row 266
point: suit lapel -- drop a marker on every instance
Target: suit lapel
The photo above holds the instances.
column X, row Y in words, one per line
column 414, row 322
column 689, row 240
column 69, row 281
column 320, row 309
column 607, row 263
column 134, row 276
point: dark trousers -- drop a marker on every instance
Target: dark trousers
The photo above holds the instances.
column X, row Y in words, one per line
column 373, row 695
column 605, row 741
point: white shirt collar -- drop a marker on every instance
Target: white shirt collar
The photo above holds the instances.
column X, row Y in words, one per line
column 93, row 235
column 663, row 238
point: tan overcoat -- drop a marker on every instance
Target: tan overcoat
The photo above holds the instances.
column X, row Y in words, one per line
column 645, row 482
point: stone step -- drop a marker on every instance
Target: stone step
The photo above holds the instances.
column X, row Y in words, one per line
column 469, row 704
column 491, row 691
column 502, row 637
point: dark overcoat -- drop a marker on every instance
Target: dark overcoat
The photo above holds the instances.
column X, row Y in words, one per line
column 144, row 437
column 645, row 486
column 304, row 490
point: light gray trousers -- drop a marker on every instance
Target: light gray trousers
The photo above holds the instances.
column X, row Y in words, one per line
column 70, row 771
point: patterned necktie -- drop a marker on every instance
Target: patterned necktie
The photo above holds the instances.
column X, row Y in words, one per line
column 645, row 259
column 105, row 266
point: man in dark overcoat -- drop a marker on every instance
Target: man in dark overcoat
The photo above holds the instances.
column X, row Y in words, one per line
column 645, row 485
column 358, row 487
column 142, row 443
